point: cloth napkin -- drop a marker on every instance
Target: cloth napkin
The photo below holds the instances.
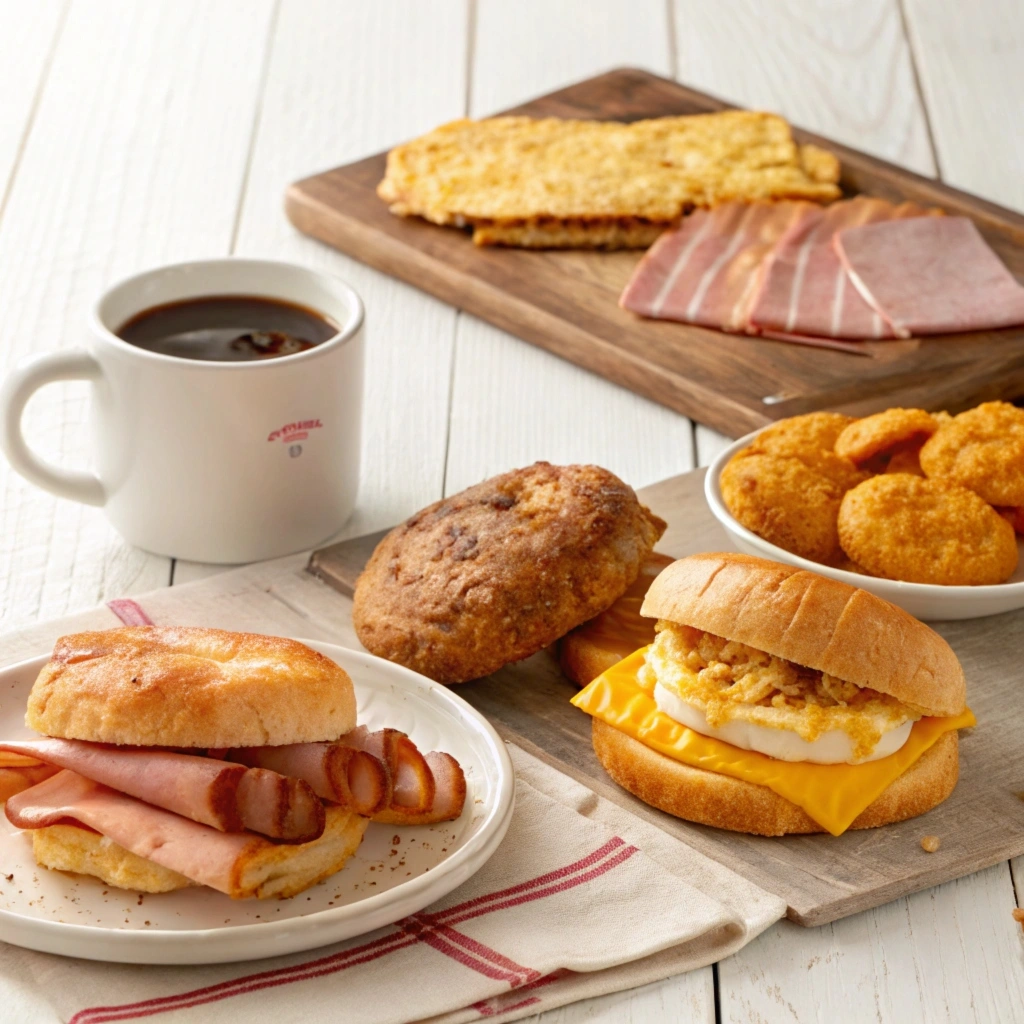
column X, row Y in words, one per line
column 581, row 899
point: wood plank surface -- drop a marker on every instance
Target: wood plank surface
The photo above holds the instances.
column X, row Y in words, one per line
column 101, row 190
column 822, row 878
column 566, row 301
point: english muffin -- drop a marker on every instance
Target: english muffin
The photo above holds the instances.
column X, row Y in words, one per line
column 497, row 572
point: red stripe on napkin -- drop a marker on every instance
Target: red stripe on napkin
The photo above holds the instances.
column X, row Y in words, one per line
column 433, row 929
column 129, row 612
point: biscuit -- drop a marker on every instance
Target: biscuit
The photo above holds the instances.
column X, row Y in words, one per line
column 785, row 501
column 982, row 449
column 501, row 570
column 903, row 527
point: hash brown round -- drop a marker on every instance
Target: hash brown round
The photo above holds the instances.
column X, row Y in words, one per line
column 499, row 571
column 785, row 501
column 982, row 449
column 884, row 432
column 903, row 527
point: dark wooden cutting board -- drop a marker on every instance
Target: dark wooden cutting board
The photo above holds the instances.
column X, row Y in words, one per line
column 566, row 302
column 820, row 877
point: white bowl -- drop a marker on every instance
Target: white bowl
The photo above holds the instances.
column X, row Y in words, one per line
column 927, row 601
column 395, row 872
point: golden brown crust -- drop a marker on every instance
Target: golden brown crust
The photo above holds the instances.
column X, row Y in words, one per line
column 934, row 532
column 268, row 870
column 876, row 435
column 499, row 571
column 590, row 649
column 813, row 621
column 510, row 174
column 185, row 686
column 571, row 233
column 724, row 802
column 982, row 449
column 785, row 501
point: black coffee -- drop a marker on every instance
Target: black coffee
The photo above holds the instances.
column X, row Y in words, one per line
column 228, row 328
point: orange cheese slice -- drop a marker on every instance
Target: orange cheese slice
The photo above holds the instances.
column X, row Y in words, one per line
column 832, row 794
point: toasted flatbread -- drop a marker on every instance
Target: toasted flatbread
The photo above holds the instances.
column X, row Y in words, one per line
column 562, row 183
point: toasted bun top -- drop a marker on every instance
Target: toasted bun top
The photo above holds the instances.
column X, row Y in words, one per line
column 813, row 621
column 185, row 686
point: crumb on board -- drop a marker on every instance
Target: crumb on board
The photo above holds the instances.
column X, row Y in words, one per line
column 930, row 843
column 1018, row 916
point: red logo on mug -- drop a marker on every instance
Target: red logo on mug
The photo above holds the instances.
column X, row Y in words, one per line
column 298, row 431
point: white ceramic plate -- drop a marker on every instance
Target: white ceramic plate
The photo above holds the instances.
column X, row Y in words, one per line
column 924, row 600
column 395, row 872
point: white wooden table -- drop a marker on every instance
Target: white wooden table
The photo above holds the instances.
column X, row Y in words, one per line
column 133, row 134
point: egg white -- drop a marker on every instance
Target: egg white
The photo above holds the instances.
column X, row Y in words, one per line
column 832, row 747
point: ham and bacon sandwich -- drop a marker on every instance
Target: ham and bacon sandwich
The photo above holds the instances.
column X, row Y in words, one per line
column 178, row 756
column 774, row 701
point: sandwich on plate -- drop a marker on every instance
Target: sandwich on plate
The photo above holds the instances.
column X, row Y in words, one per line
column 180, row 756
column 774, row 700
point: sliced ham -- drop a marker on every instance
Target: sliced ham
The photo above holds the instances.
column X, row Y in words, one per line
column 930, row 275
column 708, row 270
column 449, row 795
column 805, row 289
column 196, row 851
column 228, row 797
column 410, row 782
column 337, row 772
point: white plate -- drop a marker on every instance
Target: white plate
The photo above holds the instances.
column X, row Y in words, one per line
column 924, row 600
column 395, row 872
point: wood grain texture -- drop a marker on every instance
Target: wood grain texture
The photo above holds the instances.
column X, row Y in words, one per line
column 333, row 75
column 101, row 191
column 566, row 301
column 949, row 954
column 821, row 878
column 512, row 404
column 970, row 59
column 26, row 46
column 841, row 68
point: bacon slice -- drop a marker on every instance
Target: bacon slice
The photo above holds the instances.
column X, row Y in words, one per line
column 410, row 783
column 228, row 797
column 196, row 851
column 336, row 772
column 449, row 795
column 932, row 275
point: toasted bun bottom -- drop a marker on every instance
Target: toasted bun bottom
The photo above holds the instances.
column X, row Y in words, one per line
column 582, row 660
column 278, row 870
column 724, row 802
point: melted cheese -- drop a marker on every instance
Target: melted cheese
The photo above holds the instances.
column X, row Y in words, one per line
column 832, row 794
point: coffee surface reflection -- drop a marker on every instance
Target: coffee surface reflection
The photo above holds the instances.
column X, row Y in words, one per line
column 228, row 329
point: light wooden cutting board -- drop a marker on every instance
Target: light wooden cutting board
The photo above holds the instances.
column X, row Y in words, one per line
column 822, row 878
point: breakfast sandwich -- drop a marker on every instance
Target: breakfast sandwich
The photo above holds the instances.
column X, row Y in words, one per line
column 553, row 183
column 773, row 700
column 180, row 756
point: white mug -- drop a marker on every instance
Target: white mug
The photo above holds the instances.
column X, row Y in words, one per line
column 210, row 461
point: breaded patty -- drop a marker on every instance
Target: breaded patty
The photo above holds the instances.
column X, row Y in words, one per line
column 785, row 501
column 499, row 571
column 885, row 435
column 926, row 531
column 982, row 449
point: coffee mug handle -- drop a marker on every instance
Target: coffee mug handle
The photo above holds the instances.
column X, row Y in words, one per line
column 19, row 387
